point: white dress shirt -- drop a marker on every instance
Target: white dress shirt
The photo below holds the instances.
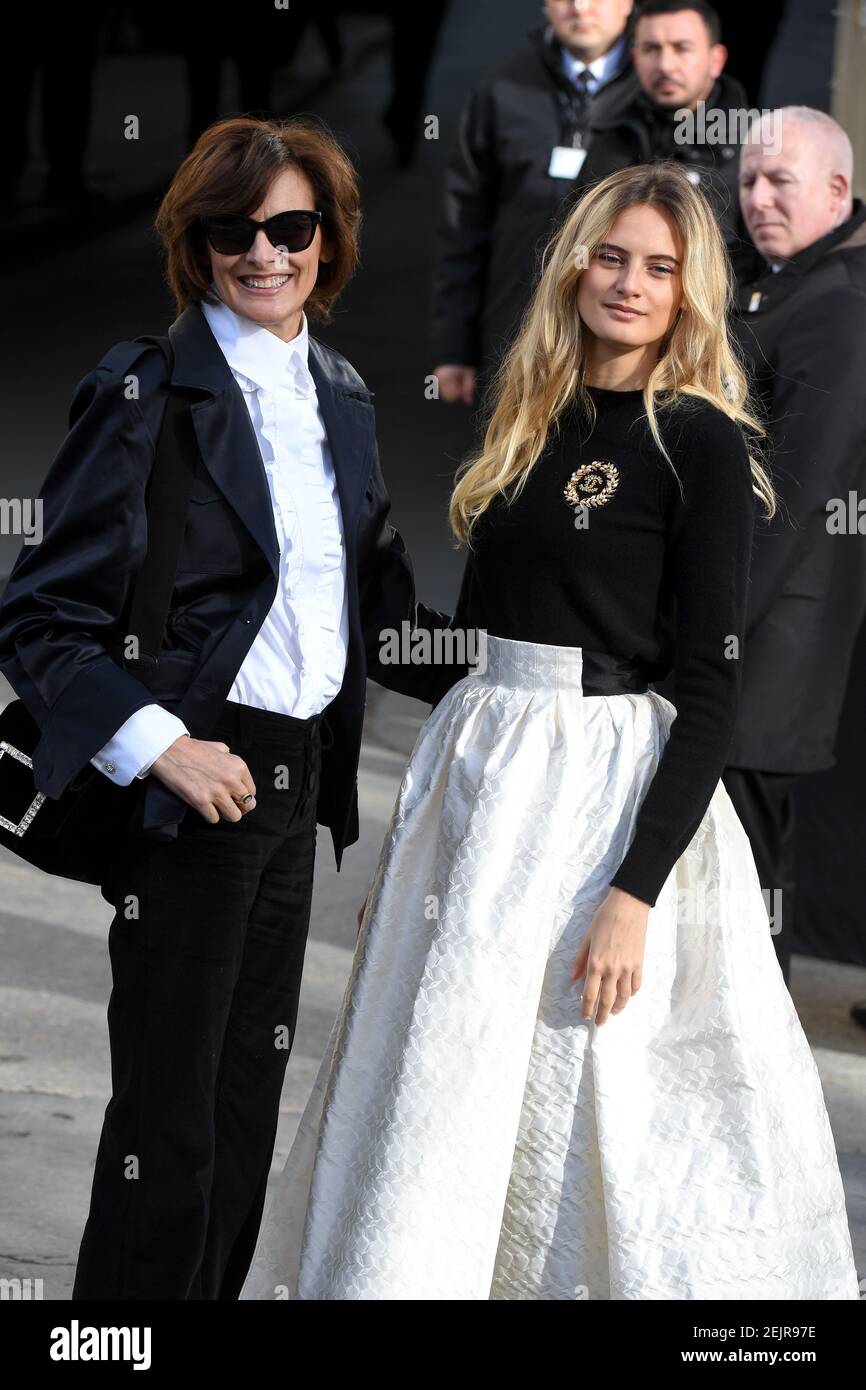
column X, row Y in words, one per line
column 298, row 658
column 600, row 71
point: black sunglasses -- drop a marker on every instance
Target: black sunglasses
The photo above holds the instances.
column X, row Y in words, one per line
column 231, row 234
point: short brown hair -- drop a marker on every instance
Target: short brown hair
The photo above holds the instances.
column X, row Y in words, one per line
column 230, row 168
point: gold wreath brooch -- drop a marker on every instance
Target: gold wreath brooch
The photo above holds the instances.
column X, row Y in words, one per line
column 592, row 485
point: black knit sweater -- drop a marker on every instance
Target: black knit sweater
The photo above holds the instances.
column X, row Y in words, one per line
column 655, row 575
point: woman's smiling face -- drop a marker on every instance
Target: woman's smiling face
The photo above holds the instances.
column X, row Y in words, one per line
column 630, row 292
column 267, row 285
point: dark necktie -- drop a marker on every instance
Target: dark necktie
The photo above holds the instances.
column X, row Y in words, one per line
column 583, row 97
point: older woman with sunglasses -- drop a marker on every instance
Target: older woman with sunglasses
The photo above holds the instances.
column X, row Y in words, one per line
column 246, row 729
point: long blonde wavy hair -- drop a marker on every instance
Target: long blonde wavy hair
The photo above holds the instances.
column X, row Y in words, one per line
column 543, row 370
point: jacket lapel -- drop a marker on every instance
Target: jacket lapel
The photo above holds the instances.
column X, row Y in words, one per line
column 350, row 424
column 228, row 445
column 227, row 440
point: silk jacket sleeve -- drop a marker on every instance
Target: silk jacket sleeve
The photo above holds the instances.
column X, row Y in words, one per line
column 64, row 602
column 386, row 584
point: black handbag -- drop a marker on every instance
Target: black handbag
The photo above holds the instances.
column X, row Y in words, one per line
column 79, row 834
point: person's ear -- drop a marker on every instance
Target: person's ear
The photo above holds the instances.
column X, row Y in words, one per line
column 839, row 187
column 326, row 250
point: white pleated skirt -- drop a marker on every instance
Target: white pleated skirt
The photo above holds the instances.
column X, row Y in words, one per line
column 469, row 1135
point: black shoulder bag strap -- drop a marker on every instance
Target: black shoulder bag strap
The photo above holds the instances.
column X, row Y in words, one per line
column 167, row 498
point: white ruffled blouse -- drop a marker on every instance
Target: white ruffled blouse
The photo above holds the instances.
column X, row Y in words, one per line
column 298, row 658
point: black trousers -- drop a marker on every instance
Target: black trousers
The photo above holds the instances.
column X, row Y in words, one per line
column 207, row 949
column 764, row 802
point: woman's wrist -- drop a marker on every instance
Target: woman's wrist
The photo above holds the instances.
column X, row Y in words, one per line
column 628, row 900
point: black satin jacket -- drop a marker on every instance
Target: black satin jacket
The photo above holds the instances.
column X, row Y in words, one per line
column 64, row 609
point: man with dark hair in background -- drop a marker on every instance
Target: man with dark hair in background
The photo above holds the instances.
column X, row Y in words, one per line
column 679, row 60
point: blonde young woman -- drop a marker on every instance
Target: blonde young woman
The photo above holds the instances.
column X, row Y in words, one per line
column 566, row 1065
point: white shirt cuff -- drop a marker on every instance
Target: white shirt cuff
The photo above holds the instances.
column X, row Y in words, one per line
column 139, row 741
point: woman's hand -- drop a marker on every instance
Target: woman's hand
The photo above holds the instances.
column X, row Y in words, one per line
column 611, row 954
column 456, row 383
column 207, row 776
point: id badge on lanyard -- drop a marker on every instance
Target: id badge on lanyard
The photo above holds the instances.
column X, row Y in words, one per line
column 566, row 161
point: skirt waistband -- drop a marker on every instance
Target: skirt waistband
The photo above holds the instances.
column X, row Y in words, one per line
column 538, row 665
